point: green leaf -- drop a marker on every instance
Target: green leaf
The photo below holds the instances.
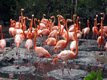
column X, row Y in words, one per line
column 90, row 76
column 94, row 75
column 99, row 75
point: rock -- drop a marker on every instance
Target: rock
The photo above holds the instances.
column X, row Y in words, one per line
column 17, row 69
column 75, row 74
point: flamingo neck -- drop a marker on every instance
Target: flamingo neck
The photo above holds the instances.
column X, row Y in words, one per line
column 101, row 27
column 79, row 26
column 59, row 25
column 67, row 32
column 35, row 23
column 51, row 25
column 35, row 36
column 24, row 25
column 76, row 39
column 31, row 25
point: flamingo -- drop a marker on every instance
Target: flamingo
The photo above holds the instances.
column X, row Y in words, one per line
column 12, row 29
column 40, row 51
column 51, row 41
column 29, row 44
column 17, row 40
column 104, row 31
column 24, row 24
column 71, row 28
column 2, row 40
column 79, row 32
column 86, row 30
column 12, row 23
column 53, row 33
column 100, row 39
column 30, row 32
column 95, row 28
column 75, row 19
column 2, row 43
column 44, row 20
column 73, row 43
column 66, row 55
column 52, row 27
column 45, row 32
column 61, row 44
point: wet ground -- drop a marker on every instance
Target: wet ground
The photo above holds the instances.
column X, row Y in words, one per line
column 20, row 64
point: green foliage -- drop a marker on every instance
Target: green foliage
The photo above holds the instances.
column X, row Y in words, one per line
column 94, row 75
column 85, row 8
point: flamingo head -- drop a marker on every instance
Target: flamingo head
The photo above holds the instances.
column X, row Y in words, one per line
column 96, row 15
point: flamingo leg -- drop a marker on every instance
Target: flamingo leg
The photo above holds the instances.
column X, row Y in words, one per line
column 68, row 69
column 29, row 56
column 87, row 36
column 17, row 54
column 37, row 69
column 62, row 69
column 93, row 36
column 96, row 36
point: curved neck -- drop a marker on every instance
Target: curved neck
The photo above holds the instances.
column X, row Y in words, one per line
column 53, row 17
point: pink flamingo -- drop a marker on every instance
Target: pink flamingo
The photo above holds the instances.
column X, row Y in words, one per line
column 40, row 51
column 100, row 39
column 2, row 40
column 86, row 30
column 95, row 28
column 65, row 55
column 61, row 44
column 51, row 41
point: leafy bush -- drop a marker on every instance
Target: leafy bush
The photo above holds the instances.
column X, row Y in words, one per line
column 94, row 75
